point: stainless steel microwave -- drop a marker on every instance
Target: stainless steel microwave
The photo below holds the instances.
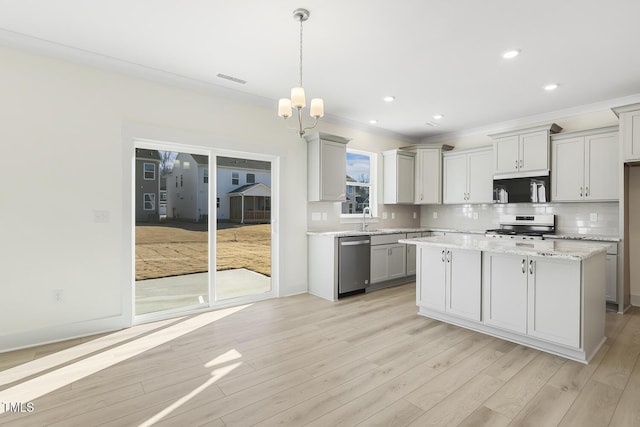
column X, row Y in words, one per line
column 536, row 189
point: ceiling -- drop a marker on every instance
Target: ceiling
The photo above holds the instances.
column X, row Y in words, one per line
column 434, row 56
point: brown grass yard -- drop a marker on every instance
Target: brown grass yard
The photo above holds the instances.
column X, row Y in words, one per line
column 173, row 249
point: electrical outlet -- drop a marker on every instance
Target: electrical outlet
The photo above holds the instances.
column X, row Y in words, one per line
column 475, row 215
column 593, row 216
column 385, row 215
column 393, row 215
column 100, row 216
column 415, row 215
column 435, row 215
column 58, row 295
column 316, row 216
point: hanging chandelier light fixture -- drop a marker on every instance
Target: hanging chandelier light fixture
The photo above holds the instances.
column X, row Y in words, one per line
column 297, row 100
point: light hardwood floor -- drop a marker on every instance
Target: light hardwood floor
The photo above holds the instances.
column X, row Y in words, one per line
column 366, row 360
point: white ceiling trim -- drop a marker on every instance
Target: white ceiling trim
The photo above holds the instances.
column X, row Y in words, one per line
column 535, row 119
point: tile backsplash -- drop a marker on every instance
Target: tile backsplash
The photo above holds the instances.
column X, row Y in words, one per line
column 571, row 218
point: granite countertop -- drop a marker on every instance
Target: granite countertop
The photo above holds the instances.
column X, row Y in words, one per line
column 591, row 237
column 347, row 233
column 556, row 248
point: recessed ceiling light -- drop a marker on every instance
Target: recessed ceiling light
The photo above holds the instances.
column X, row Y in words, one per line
column 389, row 98
column 437, row 116
column 373, row 122
column 550, row 87
column 510, row 54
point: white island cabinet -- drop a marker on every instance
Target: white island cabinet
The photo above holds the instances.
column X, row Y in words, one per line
column 454, row 281
column 537, row 296
column 543, row 294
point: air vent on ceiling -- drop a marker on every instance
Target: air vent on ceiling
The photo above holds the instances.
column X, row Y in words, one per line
column 233, row 79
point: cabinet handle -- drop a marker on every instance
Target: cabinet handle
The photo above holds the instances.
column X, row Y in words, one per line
column 531, row 267
column 443, row 256
column 516, row 163
column 448, row 256
column 524, row 262
column 580, row 191
column 586, row 192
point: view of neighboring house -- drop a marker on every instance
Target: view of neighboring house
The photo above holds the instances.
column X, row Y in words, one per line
column 147, row 185
column 250, row 203
column 188, row 188
column 235, row 185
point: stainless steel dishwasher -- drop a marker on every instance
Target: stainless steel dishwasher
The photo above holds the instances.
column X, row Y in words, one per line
column 354, row 265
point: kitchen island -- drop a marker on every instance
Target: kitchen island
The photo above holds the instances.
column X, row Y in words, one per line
column 545, row 294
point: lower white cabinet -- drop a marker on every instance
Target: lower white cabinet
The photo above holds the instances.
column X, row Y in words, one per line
column 554, row 300
column 533, row 295
column 504, row 292
column 450, row 281
column 388, row 258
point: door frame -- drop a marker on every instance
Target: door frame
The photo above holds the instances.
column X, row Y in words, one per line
column 179, row 144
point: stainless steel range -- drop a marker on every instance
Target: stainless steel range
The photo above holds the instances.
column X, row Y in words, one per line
column 524, row 227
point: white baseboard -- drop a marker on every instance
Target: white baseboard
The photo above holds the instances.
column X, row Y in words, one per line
column 58, row 333
column 635, row 300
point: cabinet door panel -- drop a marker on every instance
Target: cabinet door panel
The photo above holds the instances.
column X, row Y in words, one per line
column 612, row 278
column 406, row 179
column 411, row 260
column 428, row 177
column 504, row 290
column 379, row 263
column 464, row 284
column 554, row 300
column 630, row 126
column 397, row 261
column 534, row 151
column 480, row 177
column 332, row 171
column 455, row 178
column 567, row 179
column 601, row 167
column 506, row 154
column 430, row 280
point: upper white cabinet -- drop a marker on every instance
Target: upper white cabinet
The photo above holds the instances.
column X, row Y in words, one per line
column 522, row 152
column 326, row 167
column 428, row 176
column 585, row 165
column 629, row 131
column 399, row 177
column 468, row 176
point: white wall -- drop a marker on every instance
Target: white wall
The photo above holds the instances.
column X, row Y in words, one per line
column 68, row 120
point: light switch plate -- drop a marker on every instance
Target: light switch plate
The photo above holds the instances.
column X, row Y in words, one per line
column 324, row 216
column 435, row 215
column 393, row 215
column 593, row 216
column 384, row 215
column 415, row 215
column 316, row 216
column 475, row 215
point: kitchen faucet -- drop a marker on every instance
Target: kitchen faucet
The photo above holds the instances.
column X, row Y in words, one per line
column 366, row 210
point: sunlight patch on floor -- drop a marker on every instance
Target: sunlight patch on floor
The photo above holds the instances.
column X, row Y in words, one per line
column 50, row 381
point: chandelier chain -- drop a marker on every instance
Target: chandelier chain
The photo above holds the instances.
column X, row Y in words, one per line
column 300, row 82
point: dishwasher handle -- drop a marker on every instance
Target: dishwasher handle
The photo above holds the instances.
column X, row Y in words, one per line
column 356, row 243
